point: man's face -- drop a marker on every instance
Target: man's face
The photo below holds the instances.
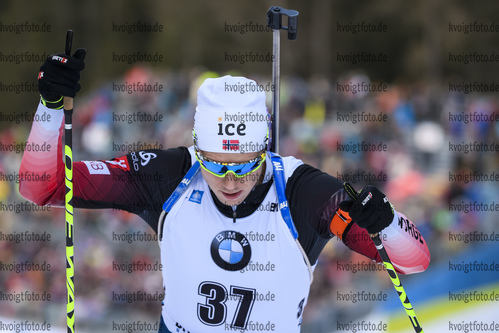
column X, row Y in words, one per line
column 232, row 190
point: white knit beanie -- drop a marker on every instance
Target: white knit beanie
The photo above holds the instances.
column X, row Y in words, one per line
column 231, row 116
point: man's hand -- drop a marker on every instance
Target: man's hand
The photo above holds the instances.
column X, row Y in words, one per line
column 371, row 210
column 59, row 76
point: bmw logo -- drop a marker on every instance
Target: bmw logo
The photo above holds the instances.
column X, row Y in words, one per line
column 230, row 250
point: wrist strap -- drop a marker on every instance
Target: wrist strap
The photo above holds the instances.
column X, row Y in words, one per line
column 57, row 105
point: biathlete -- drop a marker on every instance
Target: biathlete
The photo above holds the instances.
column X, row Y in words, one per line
column 211, row 201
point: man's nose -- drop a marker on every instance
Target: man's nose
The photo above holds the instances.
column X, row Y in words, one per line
column 231, row 181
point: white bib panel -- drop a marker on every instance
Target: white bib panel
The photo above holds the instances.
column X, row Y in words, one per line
column 221, row 276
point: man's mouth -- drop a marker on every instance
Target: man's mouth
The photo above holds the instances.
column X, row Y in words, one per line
column 231, row 196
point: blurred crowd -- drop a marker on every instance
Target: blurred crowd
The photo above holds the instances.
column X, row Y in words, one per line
column 409, row 130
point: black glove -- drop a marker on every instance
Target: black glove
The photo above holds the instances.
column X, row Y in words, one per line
column 59, row 76
column 371, row 210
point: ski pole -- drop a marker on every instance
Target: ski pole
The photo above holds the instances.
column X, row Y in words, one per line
column 68, row 202
column 274, row 21
column 391, row 270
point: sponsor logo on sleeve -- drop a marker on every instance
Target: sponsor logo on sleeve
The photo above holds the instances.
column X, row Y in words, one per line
column 146, row 157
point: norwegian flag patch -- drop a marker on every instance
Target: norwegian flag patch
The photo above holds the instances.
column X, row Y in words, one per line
column 230, row 145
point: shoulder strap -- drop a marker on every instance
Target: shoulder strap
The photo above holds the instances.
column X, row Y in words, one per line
column 280, row 185
column 184, row 183
column 181, row 188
